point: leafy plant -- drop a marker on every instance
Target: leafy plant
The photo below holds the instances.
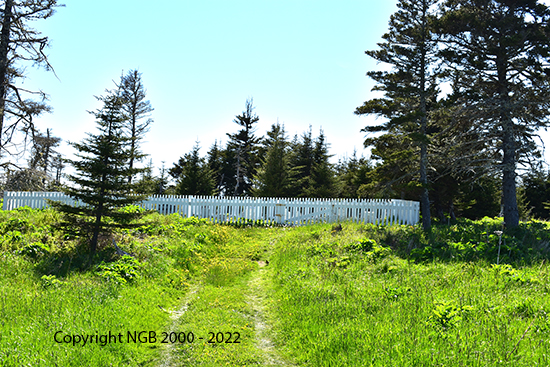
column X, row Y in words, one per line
column 34, row 250
column 447, row 315
column 364, row 245
column 50, row 281
column 124, row 270
column 178, row 278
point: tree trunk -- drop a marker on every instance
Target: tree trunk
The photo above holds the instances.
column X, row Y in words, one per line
column 424, row 197
column 4, row 49
column 509, row 199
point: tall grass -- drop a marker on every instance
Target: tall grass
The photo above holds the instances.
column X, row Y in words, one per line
column 349, row 301
column 364, row 296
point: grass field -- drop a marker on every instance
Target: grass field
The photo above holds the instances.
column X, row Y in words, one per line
column 198, row 294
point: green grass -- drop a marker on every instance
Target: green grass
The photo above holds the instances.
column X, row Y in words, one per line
column 366, row 296
column 339, row 303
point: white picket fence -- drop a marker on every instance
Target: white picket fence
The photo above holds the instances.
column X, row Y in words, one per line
column 294, row 211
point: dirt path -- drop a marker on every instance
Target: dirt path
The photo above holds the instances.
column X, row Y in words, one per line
column 256, row 300
column 168, row 358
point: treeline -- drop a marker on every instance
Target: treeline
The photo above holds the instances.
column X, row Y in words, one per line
column 266, row 166
column 275, row 165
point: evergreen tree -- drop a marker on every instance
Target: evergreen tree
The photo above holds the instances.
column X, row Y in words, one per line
column 351, row 175
column 43, row 152
column 100, row 182
column 275, row 177
column 536, row 185
column 215, row 162
column 321, row 182
column 148, row 184
column 58, row 165
column 27, row 179
column 500, row 50
column 410, row 87
column 301, row 161
column 242, row 153
column 163, row 181
column 478, row 198
column 137, row 109
column 192, row 174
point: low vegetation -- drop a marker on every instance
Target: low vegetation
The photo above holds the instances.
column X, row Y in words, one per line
column 468, row 293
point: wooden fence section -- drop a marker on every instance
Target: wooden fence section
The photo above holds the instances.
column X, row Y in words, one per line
column 280, row 210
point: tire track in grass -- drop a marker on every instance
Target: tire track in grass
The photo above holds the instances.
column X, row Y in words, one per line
column 256, row 300
column 168, row 359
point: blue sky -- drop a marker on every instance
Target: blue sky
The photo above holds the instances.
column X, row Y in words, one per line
column 302, row 61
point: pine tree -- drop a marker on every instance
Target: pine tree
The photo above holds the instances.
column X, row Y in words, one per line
column 410, row 87
column 501, row 50
column 242, row 152
column 321, row 181
column 193, row 175
column 274, row 178
column 100, row 182
column 136, row 108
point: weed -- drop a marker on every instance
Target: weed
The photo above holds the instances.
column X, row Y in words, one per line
column 124, row 270
column 50, row 281
column 447, row 315
column 34, row 250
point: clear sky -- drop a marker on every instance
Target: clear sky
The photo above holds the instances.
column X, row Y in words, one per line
column 302, row 61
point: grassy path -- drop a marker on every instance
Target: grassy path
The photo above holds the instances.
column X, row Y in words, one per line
column 257, row 300
column 227, row 311
column 169, row 357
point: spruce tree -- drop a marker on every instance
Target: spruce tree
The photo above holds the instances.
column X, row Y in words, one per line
column 99, row 184
column 137, row 110
column 274, row 178
column 410, row 88
column 43, row 150
column 321, row 182
column 242, row 152
column 501, row 51
column 351, row 174
column 301, row 161
column 193, row 175
column 215, row 162
column 21, row 44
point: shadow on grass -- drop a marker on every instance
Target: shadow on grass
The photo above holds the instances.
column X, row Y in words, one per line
column 70, row 259
column 467, row 241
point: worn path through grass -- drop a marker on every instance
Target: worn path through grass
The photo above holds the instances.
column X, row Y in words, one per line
column 257, row 300
column 226, row 312
column 169, row 358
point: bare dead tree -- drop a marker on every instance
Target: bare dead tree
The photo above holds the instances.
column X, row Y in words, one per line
column 20, row 44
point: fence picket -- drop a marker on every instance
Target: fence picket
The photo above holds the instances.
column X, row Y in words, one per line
column 292, row 211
